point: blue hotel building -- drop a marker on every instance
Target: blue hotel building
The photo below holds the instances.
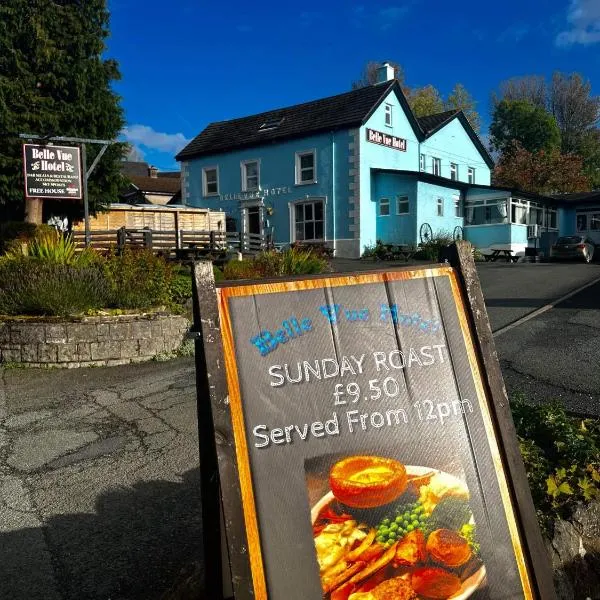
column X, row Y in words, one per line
column 359, row 167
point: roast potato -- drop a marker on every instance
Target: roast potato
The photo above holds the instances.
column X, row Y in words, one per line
column 433, row 582
column 448, row 548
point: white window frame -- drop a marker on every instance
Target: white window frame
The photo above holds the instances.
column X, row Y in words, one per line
column 489, row 204
column 470, row 174
column 389, row 115
column 453, row 171
column 205, row 191
column 402, row 200
column 586, row 222
column 440, row 207
column 436, row 161
column 313, row 201
column 244, row 174
column 299, row 155
column 386, row 202
column 422, row 162
column 458, row 209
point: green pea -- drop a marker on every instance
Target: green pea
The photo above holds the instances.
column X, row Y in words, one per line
column 394, row 527
column 410, row 528
column 380, row 539
column 398, row 519
column 392, row 535
column 385, row 522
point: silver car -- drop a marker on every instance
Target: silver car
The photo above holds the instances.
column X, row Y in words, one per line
column 573, row 247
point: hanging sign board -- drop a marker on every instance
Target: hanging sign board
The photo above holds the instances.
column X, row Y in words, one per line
column 363, row 442
column 52, row 172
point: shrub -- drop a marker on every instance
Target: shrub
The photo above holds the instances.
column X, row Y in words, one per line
column 34, row 287
column 431, row 250
column 381, row 251
column 137, row 279
column 12, row 231
column 275, row 264
column 318, row 249
column 561, row 455
column 180, row 289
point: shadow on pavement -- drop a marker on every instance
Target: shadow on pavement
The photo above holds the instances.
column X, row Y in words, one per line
column 131, row 548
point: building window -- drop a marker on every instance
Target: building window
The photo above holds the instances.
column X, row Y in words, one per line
column 422, row 162
column 309, row 221
column 582, row 223
column 551, row 218
column 518, row 211
column 595, row 222
column 306, row 171
column 210, row 181
column 487, row 212
column 250, row 175
column 384, row 207
column 402, row 205
column 453, row 171
column 457, row 206
column 436, row 166
column 471, row 175
column 388, row 115
column 440, row 207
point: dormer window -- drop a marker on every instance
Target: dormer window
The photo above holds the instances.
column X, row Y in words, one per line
column 271, row 124
column 388, row 115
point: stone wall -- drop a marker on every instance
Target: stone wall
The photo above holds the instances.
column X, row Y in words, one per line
column 90, row 341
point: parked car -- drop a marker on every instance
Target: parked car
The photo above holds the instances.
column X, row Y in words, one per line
column 573, row 247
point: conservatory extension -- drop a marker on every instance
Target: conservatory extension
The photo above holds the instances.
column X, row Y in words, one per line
column 494, row 219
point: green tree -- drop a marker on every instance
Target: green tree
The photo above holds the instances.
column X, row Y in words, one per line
column 54, row 81
column 461, row 99
column 589, row 150
column 425, row 101
column 523, row 122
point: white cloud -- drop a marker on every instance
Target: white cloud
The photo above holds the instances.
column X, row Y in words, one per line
column 135, row 153
column 142, row 135
column 584, row 24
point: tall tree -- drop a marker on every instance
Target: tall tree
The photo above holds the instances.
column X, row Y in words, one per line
column 541, row 172
column 589, row 151
column 531, row 88
column 54, row 81
column 425, row 101
column 523, row 122
column 461, row 99
column 576, row 111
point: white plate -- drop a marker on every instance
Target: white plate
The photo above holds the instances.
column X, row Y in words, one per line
column 470, row 584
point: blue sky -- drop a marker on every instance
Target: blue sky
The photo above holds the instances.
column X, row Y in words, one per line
column 189, row 62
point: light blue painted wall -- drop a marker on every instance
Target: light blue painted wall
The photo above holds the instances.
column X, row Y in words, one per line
column 484, row 236
column 277, row 170
column 395, row 229
column 376, row 156
column 427, row 208
column 452, row 144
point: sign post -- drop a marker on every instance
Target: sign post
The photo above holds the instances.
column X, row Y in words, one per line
column 54, row 172
column 359, row 433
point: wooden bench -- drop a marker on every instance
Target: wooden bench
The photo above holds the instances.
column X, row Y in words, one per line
column 501, row 253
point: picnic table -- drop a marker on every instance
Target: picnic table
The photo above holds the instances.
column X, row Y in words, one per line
column 501, row 253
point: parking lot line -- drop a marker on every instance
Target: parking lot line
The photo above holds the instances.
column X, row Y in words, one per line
column 544, row 308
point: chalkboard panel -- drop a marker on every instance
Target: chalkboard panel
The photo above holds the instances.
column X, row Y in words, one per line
column 361, row 399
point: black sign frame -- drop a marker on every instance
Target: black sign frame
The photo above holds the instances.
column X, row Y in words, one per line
column 29, row 174
column 225, row 486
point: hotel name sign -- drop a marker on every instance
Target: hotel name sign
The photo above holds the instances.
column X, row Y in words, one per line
column 383, row 139
column 257, row 194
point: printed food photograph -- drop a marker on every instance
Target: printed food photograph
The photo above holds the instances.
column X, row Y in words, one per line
column 384, row 530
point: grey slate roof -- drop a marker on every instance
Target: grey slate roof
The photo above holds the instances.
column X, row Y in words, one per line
column 335, row 112
column 134, row 167
column 326, row 114
column 433, row 122
column 593, row 196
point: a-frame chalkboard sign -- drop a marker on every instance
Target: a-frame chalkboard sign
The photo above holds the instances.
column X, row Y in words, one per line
column 356, row 440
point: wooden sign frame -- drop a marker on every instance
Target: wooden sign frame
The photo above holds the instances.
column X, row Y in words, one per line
column 222, row 437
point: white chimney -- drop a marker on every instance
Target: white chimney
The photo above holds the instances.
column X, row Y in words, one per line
column 385, row 73
column 153, row 172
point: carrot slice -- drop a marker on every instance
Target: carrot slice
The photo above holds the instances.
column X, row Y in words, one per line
column 373, row 567
column 343, row 592
column 356, row 553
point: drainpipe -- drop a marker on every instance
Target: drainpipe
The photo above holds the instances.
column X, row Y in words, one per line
column 333, row 203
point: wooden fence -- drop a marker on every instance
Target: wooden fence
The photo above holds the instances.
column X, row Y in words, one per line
column 181, row 243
